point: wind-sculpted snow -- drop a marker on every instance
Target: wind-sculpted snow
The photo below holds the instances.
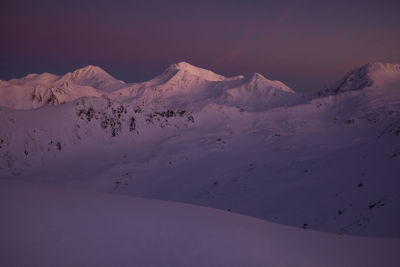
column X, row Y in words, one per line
column 244, row 144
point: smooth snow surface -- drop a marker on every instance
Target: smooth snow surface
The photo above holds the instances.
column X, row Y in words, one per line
column 44, row 226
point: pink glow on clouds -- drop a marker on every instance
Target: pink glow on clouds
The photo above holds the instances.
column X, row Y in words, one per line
column 232, row 55
column 249, row 37
column 284, row 17
column 240, row 46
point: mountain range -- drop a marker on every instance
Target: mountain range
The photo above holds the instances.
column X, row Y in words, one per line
column 180, row 84
column 327, row 161
column 92, row 168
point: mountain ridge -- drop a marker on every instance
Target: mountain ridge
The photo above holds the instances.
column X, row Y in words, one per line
column 179, row 84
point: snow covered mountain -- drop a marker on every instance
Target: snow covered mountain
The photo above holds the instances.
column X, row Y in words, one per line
column 184, row 85
column 95, row 77
column 244, row 144
column 37, row 90
column 381, row 75
column 180, row 85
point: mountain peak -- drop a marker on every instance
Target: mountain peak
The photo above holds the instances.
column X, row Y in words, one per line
column 380, row 66
column 365, row 76
column 256, row 75
column 262, row 82
column 89, row 71
column 183, row 65
column 187, row 68
column 95, row 77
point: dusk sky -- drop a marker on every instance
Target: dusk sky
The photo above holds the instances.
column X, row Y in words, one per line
column 305, row 44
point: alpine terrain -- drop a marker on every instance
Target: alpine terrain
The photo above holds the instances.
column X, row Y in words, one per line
column 81, row 150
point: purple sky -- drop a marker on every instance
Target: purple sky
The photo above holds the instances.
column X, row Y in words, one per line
column 305, row 44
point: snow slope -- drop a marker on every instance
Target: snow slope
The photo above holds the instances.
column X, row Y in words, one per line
column 48, row 226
